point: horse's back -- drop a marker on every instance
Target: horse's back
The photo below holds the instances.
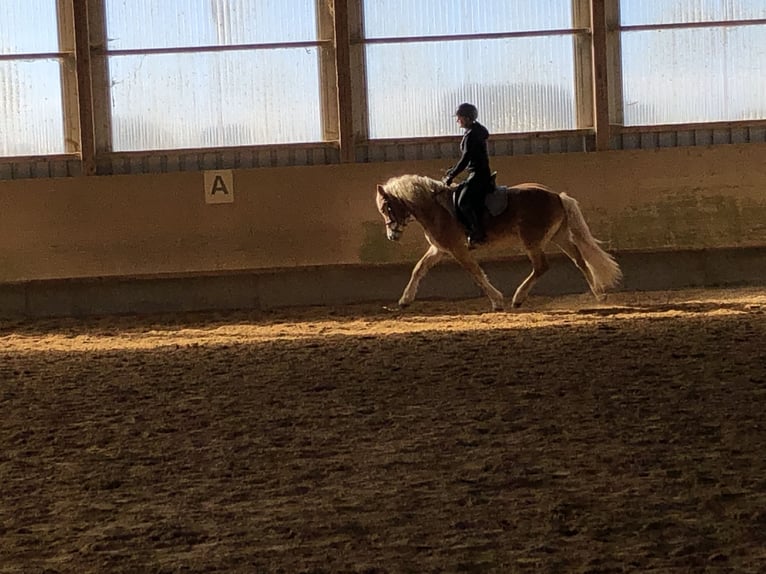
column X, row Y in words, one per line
column 534, row 199
column 532, row 210
column 531, row 188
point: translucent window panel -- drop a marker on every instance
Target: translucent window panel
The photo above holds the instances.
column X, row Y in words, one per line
column 143, row 24
column 694, row 75
column 642, row 12
column 215, row 99
column 31, row 110
column 401, row 18
column 28, row 26
column 520, row 84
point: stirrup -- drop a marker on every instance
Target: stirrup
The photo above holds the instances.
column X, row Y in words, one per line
column 474, row 242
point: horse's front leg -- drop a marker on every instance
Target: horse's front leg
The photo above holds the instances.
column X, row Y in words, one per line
column 429, row 259
column 480, row 278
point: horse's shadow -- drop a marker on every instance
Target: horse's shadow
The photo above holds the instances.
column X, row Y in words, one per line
column 440, row 308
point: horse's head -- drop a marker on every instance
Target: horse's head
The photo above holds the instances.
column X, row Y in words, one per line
column 394, row 213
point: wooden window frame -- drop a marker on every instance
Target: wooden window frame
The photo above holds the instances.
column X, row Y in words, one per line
column 596, row 33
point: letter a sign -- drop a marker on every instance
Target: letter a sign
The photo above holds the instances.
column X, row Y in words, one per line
column 219, row 187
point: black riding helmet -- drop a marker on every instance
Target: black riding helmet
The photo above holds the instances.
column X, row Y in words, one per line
column 467, row 111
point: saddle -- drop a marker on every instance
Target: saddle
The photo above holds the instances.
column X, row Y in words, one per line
column 496, row 200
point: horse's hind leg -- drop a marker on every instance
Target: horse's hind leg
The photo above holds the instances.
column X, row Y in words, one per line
column 429, row 259
column 539, row 267
column 573, row 252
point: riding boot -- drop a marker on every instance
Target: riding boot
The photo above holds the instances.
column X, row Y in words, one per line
column 476, row 235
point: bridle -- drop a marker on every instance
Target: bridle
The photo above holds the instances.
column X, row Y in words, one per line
column 394, row 225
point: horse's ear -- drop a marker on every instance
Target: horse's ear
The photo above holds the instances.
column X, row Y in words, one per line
column 381, row 191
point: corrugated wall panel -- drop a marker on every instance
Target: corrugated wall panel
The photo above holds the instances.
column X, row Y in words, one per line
column 142, row 24
column 694, row 75
column 518, row 84
column 642, row 12
column 28, row 27
column 31, row 111
column 402, row 18
column 213, row 99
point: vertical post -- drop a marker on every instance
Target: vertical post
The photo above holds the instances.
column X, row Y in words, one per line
column 84, row 87
column 600, row 74
column 69, row 91
column 328, row 70
column 614, row 62
column 583, row 63
column 359, row 114
column 344, row 87
column 99, row 74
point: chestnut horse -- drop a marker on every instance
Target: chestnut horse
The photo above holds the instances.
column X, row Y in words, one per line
column 529, row 212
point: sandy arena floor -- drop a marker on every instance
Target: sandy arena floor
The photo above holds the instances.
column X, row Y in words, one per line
column 627, row 436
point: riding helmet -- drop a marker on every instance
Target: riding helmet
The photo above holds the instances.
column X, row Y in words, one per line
column 467, row 111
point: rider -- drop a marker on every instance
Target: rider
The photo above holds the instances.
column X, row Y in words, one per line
column 475, row 158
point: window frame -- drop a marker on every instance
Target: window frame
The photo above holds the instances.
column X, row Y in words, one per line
column 100, row 55
column 615, row 67
column 596, row 28
column 579, row 32
column 66, row 56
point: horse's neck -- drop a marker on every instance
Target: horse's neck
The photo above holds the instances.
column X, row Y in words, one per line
column 444, row 199
column 421, row 205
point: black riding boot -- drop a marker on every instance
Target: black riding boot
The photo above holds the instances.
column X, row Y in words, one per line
column 476, row 235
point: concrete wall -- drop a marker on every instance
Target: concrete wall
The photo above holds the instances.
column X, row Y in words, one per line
column 340, row 285
column 150, row 225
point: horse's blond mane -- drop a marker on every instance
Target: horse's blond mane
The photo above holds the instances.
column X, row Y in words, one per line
column 413, row 189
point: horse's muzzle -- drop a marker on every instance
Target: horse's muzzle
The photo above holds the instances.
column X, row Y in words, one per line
column 393, row 234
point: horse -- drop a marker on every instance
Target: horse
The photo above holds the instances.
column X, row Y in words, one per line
column 530, row 213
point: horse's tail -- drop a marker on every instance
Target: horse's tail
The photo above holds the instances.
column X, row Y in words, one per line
column 605, row 270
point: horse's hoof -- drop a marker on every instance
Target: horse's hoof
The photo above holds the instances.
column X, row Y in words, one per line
column 516, row 305
column 403, row 305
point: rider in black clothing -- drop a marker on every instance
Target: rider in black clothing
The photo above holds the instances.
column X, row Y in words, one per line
column 475, row 159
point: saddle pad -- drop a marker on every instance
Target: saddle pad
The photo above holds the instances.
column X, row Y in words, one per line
column 497, row 201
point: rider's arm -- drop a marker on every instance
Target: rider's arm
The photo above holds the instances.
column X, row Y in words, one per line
column 462, row 163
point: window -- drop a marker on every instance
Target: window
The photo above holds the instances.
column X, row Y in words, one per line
column 212, row 73
column 693, row 61
column 31, row 79
column 195, row 78
column 514, row 60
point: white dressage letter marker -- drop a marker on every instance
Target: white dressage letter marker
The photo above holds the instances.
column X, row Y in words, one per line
column 219, row 186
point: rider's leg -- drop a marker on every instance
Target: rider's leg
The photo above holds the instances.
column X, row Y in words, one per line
column 471, row 203
column 458, row 211
column 466, row 207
